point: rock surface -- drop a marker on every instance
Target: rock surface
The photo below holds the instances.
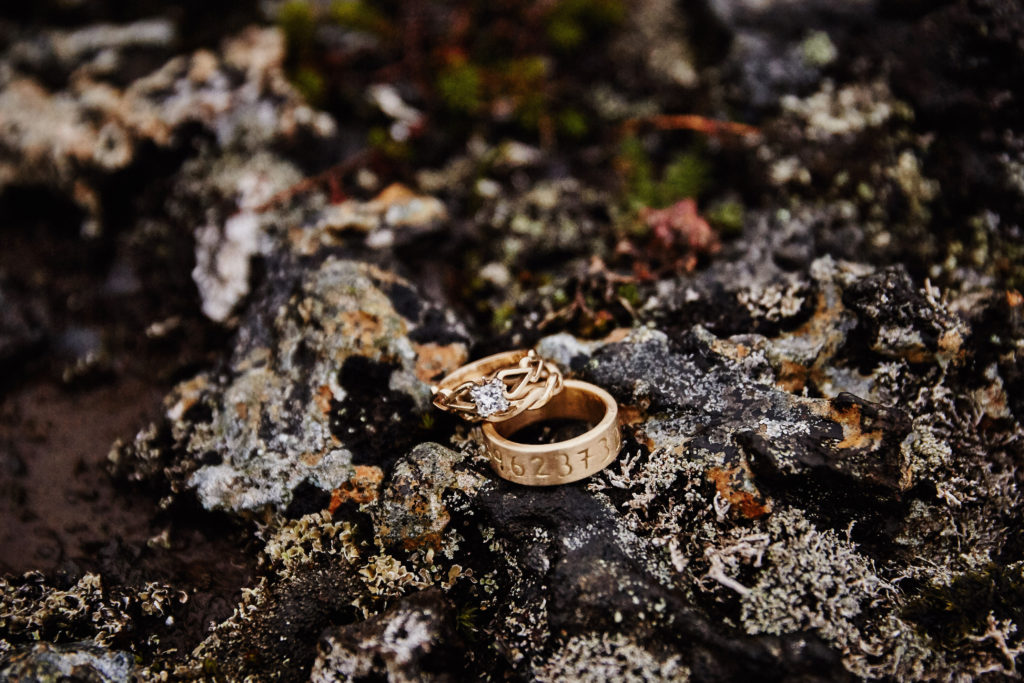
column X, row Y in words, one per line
column 814, row 336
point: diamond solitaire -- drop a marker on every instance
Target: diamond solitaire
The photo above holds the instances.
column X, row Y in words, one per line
column 490, row 398
column 498, row 387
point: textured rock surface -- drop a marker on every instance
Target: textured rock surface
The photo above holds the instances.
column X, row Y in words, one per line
column 812, row 323
column 46, row 662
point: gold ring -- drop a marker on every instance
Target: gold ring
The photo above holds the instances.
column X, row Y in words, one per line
column 498, row 387
column 563, row 461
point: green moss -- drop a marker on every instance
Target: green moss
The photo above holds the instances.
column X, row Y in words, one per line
column 630, row 293
column 298, row 23
column 949, row 614
column 502, row 316
column 465, row 621
column 525, row 81
column 638, row 170
column 572, row 123
column 686, row 175
column 358, row 15
column 565, row 33
column 309, row 83
column 461, row 87
column 818, row 49
column 379, row 139
column 727, row 217
column 570, row 22
column 865, row 192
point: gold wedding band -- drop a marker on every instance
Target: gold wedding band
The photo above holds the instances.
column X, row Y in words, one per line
column 563, row 461
column 498, row 387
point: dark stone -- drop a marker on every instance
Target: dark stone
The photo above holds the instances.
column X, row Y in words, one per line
column 416, row 640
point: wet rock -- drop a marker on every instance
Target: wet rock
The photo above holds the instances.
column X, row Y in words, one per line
column 397, row 215
column 45, row 662
column 324, row 351
column 902, row 323
column 415, row 640
column 96, row 50
column 781, row 47
column 730, row 413
column 411, row 511
column 240, row 96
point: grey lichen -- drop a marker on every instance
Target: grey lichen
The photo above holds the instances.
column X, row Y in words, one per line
column 595, row 658
column 811, row 579
column 50, row 137
column 272, row 436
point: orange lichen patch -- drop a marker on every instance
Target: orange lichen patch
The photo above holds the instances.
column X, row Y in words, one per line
column 724, row 347
column 188, row 394
column 434, row 360
column 915, row 353
column 950, row 342
column 852, row 421
column 360, row 327
column 791, row 377
column 730, row 483
column 363, row 487
column 631, row 415
column 323, row 397
column 635, row 417
column 823, row 324
column 380, row 275
column 395, row 193
column 241, row 410
column 951, row 346
column 1014, row 298
column 429, row 540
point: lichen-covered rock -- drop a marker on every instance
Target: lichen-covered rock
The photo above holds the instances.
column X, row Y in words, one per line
column 71, row 138
column 328, row 347
column 47, row 663
column 33, row 610
column 411, row 511
column 816, row 347
column 416, row 640
column 593, row 658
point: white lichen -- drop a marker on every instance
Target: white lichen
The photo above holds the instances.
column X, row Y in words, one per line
column 598, row 658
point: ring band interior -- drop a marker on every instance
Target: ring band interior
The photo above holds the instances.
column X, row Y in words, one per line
column 572, row 403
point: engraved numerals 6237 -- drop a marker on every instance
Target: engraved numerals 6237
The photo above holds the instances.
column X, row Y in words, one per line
column 554, row 465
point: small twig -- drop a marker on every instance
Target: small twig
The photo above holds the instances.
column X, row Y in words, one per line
column 329, row 176
column 717, row 573
column 701, row 124
column 998, row 632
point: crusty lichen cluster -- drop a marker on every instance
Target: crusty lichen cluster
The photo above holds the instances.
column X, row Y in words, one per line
column 820, row 471
column 33, row 609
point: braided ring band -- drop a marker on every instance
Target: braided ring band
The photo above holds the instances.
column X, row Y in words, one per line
column 498, row 387
column 563, row 461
